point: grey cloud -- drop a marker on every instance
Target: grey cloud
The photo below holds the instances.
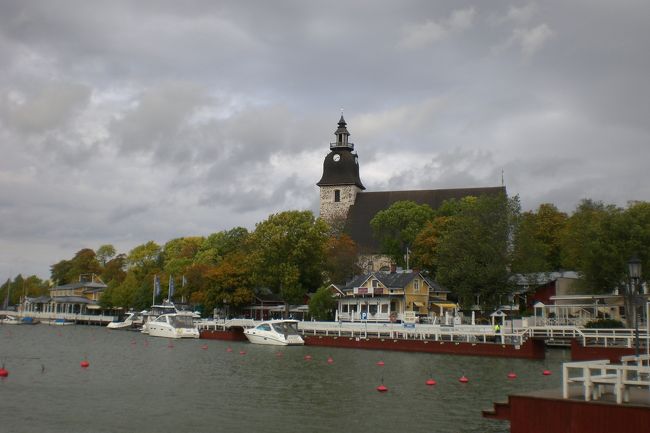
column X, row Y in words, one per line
column 43, row 106
column 122, row 121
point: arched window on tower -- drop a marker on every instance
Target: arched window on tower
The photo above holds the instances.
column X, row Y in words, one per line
column 337, row 195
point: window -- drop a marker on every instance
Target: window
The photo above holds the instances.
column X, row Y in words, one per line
column 372, row 309
column 375, row 283
column 344, row 308
column 384, row 308
column 337, row 195
column 416, row 286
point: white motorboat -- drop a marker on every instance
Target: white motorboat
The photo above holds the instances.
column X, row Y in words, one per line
column 155, row 312
column 173, row 325
column 133, row 320
column 276, row 333
column 10, row 320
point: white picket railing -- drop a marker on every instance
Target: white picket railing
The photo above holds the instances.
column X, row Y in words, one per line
column 597, row 376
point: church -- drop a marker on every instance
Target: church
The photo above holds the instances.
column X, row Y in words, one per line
column 345, row 202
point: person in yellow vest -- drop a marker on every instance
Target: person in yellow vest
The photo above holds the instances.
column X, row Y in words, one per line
column 497, row 328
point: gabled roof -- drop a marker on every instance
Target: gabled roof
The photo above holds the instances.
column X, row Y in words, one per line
column 394, row 280
column 367, row 204
column 90, row 286
column 540, row 278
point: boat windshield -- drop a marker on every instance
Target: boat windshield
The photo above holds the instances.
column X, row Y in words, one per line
column 288, row 328
column 182, row 321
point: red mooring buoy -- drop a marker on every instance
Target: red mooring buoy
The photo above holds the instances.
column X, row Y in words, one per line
column 382, row 388
column 307, row 357
column 242, row 352
column 330, row 360
column 204, row 347
column 3, row 372
column 463, row 379
column 430, row 382
column 512, row 375
column 229, row 349
column 546, row 372
column 84, row 364
column 380, row 363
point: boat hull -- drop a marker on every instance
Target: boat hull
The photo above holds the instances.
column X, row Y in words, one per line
column 156, row 330
column 272, row 340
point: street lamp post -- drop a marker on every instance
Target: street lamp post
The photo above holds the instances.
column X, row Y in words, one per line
column 634, row 270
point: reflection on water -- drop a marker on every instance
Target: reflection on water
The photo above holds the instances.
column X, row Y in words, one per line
column 137, row 383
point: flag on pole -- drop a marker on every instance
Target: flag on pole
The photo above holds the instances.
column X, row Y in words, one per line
column 171, row 287
column 156, row 285
column 184, row 281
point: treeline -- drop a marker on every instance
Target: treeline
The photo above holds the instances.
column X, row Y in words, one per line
column 290, row 254
column 473, row 246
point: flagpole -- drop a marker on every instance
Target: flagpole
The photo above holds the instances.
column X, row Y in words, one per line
column 153, row 292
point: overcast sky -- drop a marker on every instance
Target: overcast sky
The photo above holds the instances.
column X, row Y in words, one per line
column 128, row 121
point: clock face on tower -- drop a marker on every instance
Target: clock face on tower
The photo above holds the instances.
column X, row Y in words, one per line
column 336, row 157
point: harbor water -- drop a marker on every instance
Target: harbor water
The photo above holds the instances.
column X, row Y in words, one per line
column 136, row 383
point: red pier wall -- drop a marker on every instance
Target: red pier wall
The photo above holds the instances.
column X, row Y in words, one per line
column 529, row 414
column 531, row 349
column 591, row 353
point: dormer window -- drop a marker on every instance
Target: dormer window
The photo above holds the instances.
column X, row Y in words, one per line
column 375, row 283
column 337, row 195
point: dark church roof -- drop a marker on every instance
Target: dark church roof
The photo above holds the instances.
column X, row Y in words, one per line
column 367, row 205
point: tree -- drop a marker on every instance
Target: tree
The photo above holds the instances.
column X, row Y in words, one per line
column 537, row 245
column 144, row 258
column 231, row 281
column 590, row 245
column 220, row 244
column 473, row 253
column 340, row 259
column 322, row 304
column 397, row 227
column 60, row 271
column 114, row 270
column 289, row 254
column 105, row 253
column 425, row 246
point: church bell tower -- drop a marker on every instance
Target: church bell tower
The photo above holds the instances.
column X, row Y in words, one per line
column 340, row 182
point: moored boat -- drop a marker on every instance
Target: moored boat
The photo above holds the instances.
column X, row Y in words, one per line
column 133, row 320
column 173, row 325
column 276, row 333
column 10, row 320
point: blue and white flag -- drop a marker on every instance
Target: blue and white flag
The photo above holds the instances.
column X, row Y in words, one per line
column 156, row 285
column 171, row 288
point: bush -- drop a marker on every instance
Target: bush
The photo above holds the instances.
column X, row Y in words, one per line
column 605, row 323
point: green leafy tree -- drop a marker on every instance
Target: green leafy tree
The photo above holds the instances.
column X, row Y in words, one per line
column 289, row 253
column 473, row 253
column 60, row 271
column 218, row 245
column 322, row 304
column 144, row 258
column 397, row 227
column 537, row 246
column 105, row 253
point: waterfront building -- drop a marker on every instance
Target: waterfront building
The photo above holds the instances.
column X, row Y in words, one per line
column 81, row 297
column 404, row 296
column 345, row 204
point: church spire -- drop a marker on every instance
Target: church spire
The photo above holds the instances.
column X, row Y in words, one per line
column 342, row 134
